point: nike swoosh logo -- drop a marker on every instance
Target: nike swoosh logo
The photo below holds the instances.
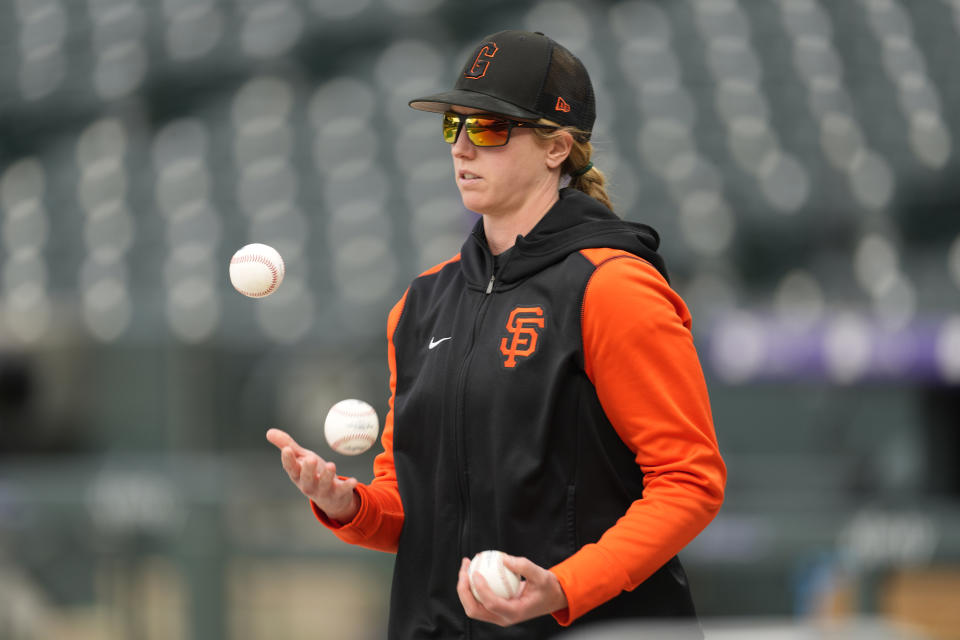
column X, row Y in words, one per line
column 433, row 343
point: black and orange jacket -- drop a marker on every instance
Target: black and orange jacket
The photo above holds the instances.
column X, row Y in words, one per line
column 554, row 409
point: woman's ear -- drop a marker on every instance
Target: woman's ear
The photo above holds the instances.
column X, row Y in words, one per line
column 558, row 149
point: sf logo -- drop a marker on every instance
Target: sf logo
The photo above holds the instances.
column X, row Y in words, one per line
column 523, row 325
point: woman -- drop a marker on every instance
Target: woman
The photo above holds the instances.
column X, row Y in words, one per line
column 546, row 396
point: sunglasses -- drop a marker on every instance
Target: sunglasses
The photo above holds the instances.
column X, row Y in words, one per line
column 483, row 129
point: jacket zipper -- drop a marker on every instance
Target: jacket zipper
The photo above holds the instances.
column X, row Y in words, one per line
column 463, row 478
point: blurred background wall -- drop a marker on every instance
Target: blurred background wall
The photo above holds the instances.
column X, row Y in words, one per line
column 798, row 157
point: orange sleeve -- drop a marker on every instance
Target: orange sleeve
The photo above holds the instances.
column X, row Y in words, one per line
column 640, row 356
column 378, row 523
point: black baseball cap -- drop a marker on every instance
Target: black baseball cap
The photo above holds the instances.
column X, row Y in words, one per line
column 521, row 74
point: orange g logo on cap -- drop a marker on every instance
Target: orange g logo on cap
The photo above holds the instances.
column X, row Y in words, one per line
column 482, row 62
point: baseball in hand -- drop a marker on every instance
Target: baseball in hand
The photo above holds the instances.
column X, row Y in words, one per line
column 256, row 270
column 502, row 581
column 351, row 427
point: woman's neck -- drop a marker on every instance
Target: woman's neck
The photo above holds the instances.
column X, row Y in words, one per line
column 502, row 230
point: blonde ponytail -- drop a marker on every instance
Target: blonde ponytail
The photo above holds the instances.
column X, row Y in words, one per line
column 592, row 182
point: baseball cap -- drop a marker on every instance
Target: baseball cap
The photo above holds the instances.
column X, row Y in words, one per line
column 521, row 74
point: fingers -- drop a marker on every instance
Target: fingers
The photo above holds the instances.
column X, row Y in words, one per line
column 316, row 478
column 308, row 475
column 539, row 585
column 278, row 438
column 540, row 593
column 316, row 475
column 463, row 579
column 342, row 486
column 530, row 572
column 481, row 590
column 281, row 439
column 326, row 478
column 471, row 606
column 307, row 470
column 521, row 566
column 485, row 605
column 290, row 464
column 302, row 465
column 463, row 587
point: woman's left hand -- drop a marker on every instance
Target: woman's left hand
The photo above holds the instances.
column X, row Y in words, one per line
column 540, row 594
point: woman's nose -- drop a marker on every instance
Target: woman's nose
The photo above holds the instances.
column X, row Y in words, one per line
column 462, row 147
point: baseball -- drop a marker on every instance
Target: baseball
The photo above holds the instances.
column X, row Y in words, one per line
column 256, row 270
column 502, row 581
column 351, row 427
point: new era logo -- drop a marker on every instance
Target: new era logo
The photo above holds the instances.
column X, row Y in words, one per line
column 562, row 105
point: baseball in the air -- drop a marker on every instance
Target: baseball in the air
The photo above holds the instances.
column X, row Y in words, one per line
column 351, row 427
column 256, row 270
column 502, row 581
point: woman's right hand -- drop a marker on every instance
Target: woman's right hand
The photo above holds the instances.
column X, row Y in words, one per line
column 317, row 478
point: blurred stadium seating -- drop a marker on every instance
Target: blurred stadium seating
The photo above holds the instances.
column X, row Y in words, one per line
column 797, row 157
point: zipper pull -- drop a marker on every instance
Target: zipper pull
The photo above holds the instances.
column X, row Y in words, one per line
column 490, row 284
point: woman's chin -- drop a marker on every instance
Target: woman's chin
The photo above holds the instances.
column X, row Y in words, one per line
column 472, row 202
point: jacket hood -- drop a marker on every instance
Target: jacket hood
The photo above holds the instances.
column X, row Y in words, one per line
column 575, row 222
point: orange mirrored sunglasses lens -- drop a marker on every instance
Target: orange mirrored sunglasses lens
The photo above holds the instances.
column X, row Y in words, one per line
column 483, row 132
column 487, row 132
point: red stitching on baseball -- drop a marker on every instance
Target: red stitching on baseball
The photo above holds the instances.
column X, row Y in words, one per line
column 352, row 436
column 274, row 272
